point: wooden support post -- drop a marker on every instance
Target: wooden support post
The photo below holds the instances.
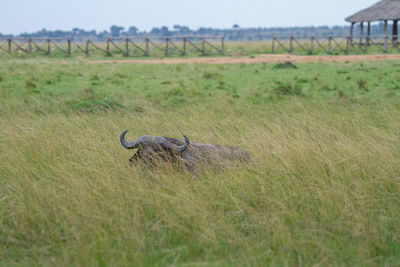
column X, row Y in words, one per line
column 273, row 44
column 312, row 44
column 223, row 44
column 385, row 44
column 30, row 46
column 108, row 47
column 368, row 36
column 9, row 46
column 48, row 46
column 369, row 28
column 87, row 48
column 330, row 44
column 184, row 45
column 69, row 46
column 395, row 33
column 203, row 47
column 386, row 37
column 166, row 46
column 127, row 47
column 351, row 33
column 386, row 28
column 361, row 32
column 291, row 38
column 147, row 47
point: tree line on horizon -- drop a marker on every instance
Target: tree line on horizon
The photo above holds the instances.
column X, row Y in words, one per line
column 236, row 33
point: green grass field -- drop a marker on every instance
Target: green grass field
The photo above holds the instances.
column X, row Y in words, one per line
column 322, row 188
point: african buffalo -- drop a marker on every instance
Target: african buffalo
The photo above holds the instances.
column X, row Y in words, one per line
column 156, row 149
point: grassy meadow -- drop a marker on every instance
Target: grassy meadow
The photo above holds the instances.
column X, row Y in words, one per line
column 322, row 188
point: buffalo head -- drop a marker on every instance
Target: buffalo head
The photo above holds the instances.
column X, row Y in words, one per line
column 155, row 149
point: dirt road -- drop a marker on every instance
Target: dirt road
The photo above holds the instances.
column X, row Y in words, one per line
column 256, row 59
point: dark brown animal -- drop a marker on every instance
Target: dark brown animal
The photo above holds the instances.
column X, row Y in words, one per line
column 153, row 150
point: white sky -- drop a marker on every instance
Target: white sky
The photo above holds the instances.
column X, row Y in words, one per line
column 18, row 16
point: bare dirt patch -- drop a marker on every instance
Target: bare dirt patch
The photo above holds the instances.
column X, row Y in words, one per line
column 252, row 60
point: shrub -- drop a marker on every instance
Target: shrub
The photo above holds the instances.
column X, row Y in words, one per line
column 362, row 85
column 286, row 65
column 212, row 75
column 30, row 84
column 286, row 88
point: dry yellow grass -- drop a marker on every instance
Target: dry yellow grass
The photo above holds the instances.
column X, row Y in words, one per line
column 322, row 188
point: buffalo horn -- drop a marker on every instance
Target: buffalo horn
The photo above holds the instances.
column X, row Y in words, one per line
column 173, row 147
column 126, row 144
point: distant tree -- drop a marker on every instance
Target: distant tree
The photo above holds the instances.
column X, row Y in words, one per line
column 132, row 31
column 116, row 30
column 185, row 30
column 203, row 30
column 6, row 35
column 155, row 31
column 182, row 29
column 164, row 31
column 102, row 35
column 57, row 34
column 235, row 26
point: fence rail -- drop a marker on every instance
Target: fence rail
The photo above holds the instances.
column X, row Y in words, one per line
column 205, row 45
column 128, row 46
column 330, row 44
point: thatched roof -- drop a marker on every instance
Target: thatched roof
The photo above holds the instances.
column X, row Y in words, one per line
column 383, row 10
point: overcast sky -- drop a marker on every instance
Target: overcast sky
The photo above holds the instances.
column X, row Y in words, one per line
column 18, row 16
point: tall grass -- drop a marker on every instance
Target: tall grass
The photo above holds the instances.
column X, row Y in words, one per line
column 322, row 187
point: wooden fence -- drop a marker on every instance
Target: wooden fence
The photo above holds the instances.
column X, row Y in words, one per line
column 204, row 45
column 128, row 46
column 331, row 45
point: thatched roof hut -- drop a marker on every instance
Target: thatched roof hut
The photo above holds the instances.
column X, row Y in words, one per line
column 383, row 10
column 386, row 10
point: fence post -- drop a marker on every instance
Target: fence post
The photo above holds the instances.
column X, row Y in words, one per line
column 184, row 45
column 312, row 44
column 127, row 47
column 348, row 42
column 291, row 44
column 69, row 46
column 9, row 45
column 386, row 44
column 166, row 46
column 366, row 44
column 203, row 47
column 223, row 45
column 330, row 45
column 108, row 47
column 273, row 44
column 48, row 46
column 87, row 48
column 30, row 46
column 147, row 47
